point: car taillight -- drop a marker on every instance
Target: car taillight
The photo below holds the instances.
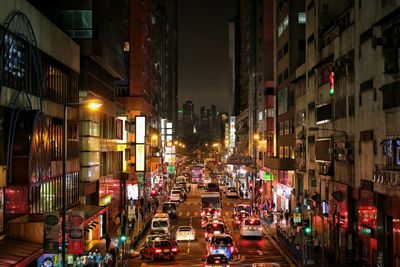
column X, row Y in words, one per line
column 158, row 250
column 259, row 228
column 174, row 249
column 203, row 213
column 217, row 261
column 205, row 235
column 232, row 249
column 228, row 265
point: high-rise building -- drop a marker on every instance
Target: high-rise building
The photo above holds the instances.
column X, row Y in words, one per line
column 289, row 53
column 39, row 75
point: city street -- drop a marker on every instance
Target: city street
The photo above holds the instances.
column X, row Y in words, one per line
column 191, row 252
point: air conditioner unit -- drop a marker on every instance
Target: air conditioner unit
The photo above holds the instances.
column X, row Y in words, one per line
column 376, row 41
column 375, row 177
column 388, row 176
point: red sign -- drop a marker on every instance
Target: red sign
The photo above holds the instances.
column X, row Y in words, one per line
column 76, row 232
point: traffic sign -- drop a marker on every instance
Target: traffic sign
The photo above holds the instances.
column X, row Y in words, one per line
column 297, row 217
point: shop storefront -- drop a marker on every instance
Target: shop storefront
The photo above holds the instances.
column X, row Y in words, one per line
column 367, row 214
column 281, row 196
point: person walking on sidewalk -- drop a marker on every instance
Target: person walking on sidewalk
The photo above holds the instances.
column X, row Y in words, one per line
column 287, row 217
column 108, row 242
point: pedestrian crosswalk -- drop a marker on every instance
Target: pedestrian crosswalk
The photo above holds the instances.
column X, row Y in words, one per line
column 198, row 214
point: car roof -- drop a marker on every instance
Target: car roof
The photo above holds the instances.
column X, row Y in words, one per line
column 185, row 226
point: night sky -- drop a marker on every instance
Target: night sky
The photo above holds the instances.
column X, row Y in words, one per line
column 203, row 51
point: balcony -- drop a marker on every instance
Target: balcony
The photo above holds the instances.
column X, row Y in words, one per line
column 386, row 175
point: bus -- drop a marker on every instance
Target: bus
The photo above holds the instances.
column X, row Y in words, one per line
column 198, row 175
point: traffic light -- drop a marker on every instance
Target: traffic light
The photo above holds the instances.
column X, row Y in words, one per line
column 123, row 238
column 307, row 227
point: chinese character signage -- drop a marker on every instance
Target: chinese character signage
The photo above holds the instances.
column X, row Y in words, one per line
column 140, row 158
column 75, row 233
column 51, row 232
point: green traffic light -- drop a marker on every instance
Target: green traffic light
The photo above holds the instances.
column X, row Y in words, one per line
column 307, row 230
column 331, row 91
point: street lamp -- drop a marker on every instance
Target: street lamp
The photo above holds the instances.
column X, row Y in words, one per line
column 154, row 137
column 92, row 104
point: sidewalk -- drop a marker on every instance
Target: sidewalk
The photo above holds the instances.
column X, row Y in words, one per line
column 281, row 237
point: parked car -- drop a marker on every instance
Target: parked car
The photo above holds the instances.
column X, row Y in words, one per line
column 216, row 260
column 251, row 227
column 238, row 219
column 185, row 233
column 161, row 248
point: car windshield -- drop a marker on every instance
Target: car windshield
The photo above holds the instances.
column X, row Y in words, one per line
column 185, row 229
column 215, row 259
column 233, row 190
column 176, row 192
column 213, row 227
column 252, row 222
column 160, row 224
column 222, row 240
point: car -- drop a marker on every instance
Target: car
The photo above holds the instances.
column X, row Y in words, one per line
column 227, row 189
column 242, row 208
column 185, row 233
column 207, row 219
column 175, row 196
column 182, row 190
column 238, row 219
column 222, row 244
column 160, row 223
column 266, row 264
column 212, row 187
column 159, row 248
column 207, row 180
column 213, row 228
column 158, row 232
column 170, row 208
column 251, row 227
column 216, row 260
column 232, row 193
column 211, row 212
column 154, row 237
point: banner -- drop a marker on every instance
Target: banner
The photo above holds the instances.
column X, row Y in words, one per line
column 76, row 232
column 51, row 232
column 140, row 158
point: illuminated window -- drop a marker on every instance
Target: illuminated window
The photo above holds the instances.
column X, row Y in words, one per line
column 126, row 46
column 282, row 27
column 302, row 17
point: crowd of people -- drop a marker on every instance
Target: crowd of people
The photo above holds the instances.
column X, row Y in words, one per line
column 94, row 258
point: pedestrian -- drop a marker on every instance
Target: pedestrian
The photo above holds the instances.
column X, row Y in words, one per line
column 98, row 258
column 287, row 217
column 316, row 244
column 108, row 242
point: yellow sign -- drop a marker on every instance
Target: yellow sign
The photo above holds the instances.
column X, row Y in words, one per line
column 140, row 157
column 103, row 201
column 297, row 217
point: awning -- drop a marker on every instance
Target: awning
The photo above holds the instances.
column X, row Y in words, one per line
column 91, row 212
column 18, row 253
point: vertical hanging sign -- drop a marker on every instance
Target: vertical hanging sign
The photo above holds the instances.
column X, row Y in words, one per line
column 51, row 232
column 75, row 233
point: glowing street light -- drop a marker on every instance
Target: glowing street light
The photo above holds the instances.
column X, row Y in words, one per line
column 256, row 137
column 154, row 137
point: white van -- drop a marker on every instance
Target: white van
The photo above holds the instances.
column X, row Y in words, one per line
column 160, row 223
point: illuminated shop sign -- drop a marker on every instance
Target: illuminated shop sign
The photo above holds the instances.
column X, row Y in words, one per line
column 140, row 158
column 132, row 191
column 140, row 129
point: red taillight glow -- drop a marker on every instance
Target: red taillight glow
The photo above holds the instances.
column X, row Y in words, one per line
column 232, row 249
column 205, row 234
column 217, row 261
column 158, row 250
column 174, row 249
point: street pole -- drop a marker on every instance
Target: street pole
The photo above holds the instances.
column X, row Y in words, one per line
column 63, row 184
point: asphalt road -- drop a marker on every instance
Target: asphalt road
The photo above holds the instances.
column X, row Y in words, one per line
column 190, row 252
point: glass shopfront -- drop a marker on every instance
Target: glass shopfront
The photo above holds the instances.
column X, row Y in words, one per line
column 42, row 197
